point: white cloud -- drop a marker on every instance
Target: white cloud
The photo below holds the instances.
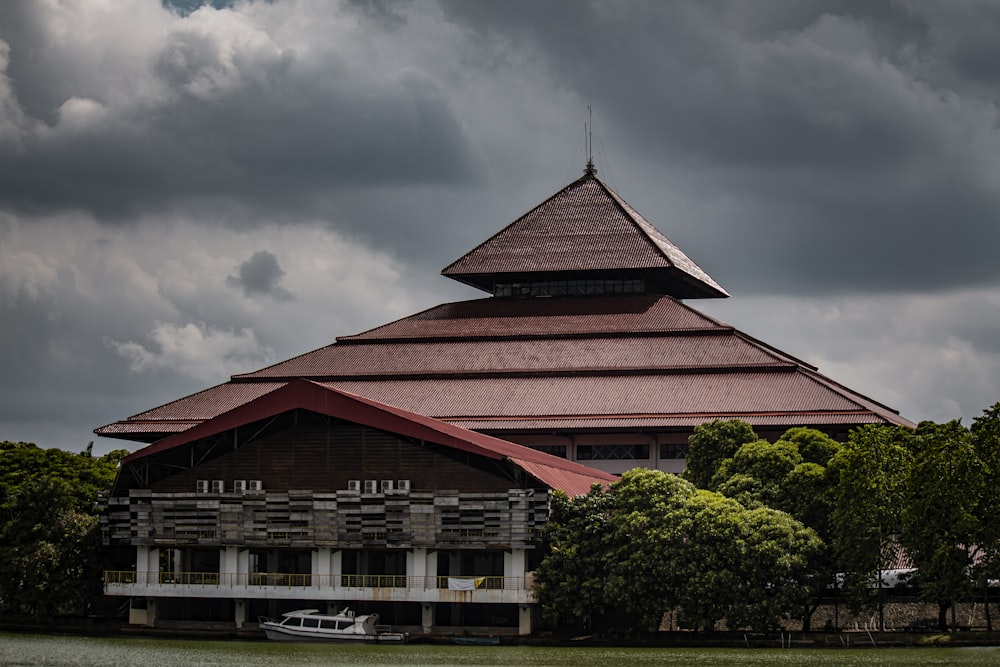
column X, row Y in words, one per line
column 194, row 350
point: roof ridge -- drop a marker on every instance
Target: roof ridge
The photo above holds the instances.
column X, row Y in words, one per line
column 658, row 239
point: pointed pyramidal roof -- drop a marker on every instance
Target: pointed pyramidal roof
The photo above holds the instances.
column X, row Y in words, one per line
column 584, row 231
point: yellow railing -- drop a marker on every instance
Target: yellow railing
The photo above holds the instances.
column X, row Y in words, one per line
column 380, row 581
column 287, row 580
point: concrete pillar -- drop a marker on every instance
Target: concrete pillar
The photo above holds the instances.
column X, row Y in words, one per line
column 242, row 567
column 147, row 565
column 141, row 564
column 336, row 567
column 416, row 567
column 513, row 563
column 427, row 617
column 151, row 612
column 431, row 569
column 240, row 612
column 524, row 620
column 228, row 565
column 321, row 567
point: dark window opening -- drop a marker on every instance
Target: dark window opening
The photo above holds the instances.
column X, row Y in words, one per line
column 612, row 452
column 569, row 288
column 673, row 451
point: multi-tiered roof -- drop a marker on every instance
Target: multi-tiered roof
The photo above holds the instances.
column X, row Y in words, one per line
column 585, row 332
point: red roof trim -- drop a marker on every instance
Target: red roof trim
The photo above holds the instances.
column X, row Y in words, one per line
column 309, row 395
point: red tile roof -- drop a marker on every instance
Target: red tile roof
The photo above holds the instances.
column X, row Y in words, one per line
column 596, row 362
column 518, row 356
column 494, row 317
column 569, row 362
column 584, row 228
column 588, row 395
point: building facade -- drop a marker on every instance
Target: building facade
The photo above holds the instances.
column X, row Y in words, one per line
column 309, row 497
column 584, row 353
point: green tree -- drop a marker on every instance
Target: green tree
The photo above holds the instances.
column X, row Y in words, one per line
column 653, row 541
column 940, row 519
column 49, row 534
column 571, row 580
column 791, row 475
column 712, row 443
column 872, row 469
column 985, row 433
column 756, row 473
column 651, row 529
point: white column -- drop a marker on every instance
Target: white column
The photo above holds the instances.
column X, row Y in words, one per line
column 228, row 565
column 431, row 569
column 336, row 567
column 147, row 565
column 427, row 617
column 524, row 620
column 141, row 563
column 513, row 563
column 240, row 612
column 321, row 567
column 416, row 566
column 151, row 612
column 242, row 567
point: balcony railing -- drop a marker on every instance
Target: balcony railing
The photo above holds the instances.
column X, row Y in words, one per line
column 289, row 580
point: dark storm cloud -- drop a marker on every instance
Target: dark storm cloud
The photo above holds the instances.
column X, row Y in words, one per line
column 219, row 117
column 832, row 131
column 832, row 163
column 261, row 274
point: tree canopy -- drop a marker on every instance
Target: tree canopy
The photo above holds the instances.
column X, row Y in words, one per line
column 712, row 443
column 939, row 518
column 653, row 542
column 49, row 535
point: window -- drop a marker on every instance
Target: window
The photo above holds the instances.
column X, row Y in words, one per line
column 673, row 451
column 310, row 622
column 569, row 288
column 612, row 452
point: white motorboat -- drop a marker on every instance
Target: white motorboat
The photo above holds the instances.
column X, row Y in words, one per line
column 311, row 626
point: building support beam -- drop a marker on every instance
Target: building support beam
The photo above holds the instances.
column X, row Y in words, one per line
column 147, row 559
column 427, row 617
column 513, row 563
column 150, row 612
column 524, row 620
column 240, row 613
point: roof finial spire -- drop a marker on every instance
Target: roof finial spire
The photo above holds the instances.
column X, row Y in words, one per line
column 588, row 128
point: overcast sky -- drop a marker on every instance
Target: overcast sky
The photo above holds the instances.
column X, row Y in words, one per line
column 188, row 193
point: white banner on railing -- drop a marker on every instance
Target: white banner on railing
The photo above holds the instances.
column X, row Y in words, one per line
column 464, row 583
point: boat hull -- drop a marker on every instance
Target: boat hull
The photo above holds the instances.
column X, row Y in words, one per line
column 295, row 635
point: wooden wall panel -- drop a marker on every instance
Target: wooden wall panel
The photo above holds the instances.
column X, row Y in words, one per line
column 323, row 458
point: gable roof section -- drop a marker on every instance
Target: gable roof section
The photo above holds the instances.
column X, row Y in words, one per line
column 554, row 472
column 584, row 229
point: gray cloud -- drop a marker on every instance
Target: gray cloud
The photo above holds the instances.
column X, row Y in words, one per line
column 261, row 274
column 833, row 163
column 223, row 110
column 824, row 124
